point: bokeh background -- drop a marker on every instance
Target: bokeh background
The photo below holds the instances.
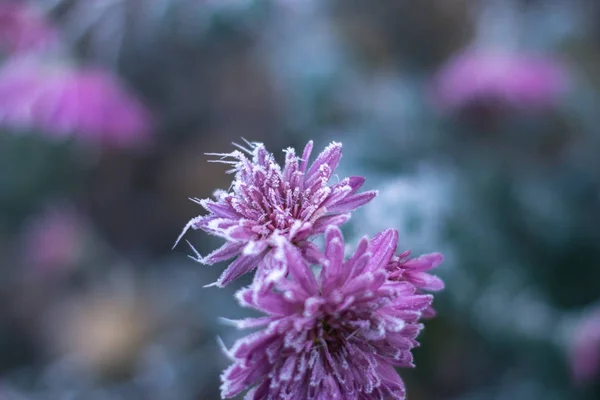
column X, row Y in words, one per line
column 478, row 121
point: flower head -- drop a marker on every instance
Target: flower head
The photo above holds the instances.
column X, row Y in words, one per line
column 335, row 336
column 510, row 80
column 269, row 206
column 62, row 100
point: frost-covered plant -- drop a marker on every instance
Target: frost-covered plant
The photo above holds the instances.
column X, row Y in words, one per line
column 336, row 334
column 269, row 206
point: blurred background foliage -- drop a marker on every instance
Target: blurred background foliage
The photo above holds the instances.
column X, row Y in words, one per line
column 476, row 119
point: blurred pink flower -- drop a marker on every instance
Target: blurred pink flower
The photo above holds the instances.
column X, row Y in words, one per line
column 585, row 350
column 512, row 80
column 24, row 29
column 53, row 241
column 62, row 100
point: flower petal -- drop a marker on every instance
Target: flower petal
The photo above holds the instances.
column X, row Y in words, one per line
column 242, row 265
column 325, row 164
column 382, row 247
column 225, row 252
column 352, row 202
column 424, row 281
column 322, row 223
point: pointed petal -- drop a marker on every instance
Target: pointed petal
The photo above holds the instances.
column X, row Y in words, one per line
column 290, row 166
column 322, row 223
column 417, row 302
column 424, row 281
column 328, row 160
column 336, row 193
column 364, row 284
column 358, row 266
column 424, row 262
column 266, row 301
column 382, row 247
column 352, row 202
column 191, row 224
column 334, row 254
column 225, row 252
column 242, row 265
column 221, row 209
column 391, row 381
column 429, row 313
column 259, row 392
column 356, row 183
column 305, row 156
column 299, row 270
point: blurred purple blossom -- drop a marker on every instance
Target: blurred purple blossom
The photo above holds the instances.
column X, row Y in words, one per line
column 519, row 81
column 62, row 101
column 24, row 29
column 585, row 351
column 54, row 240
column 335, row 336
column 270, row 206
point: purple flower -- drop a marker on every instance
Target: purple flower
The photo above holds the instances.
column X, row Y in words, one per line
column 269, row 206
column 585, row 350
column 335, row 336
column 62, row 101
column 23, row 29
column 518, row 81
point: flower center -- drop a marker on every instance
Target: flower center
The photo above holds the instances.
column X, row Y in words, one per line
column 328, row 332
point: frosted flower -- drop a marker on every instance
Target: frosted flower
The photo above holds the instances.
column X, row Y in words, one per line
column 335, row 336
column 269, row 206
column 23, row 29
column 512, row 80
column 63, row 101
column 585, row 351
